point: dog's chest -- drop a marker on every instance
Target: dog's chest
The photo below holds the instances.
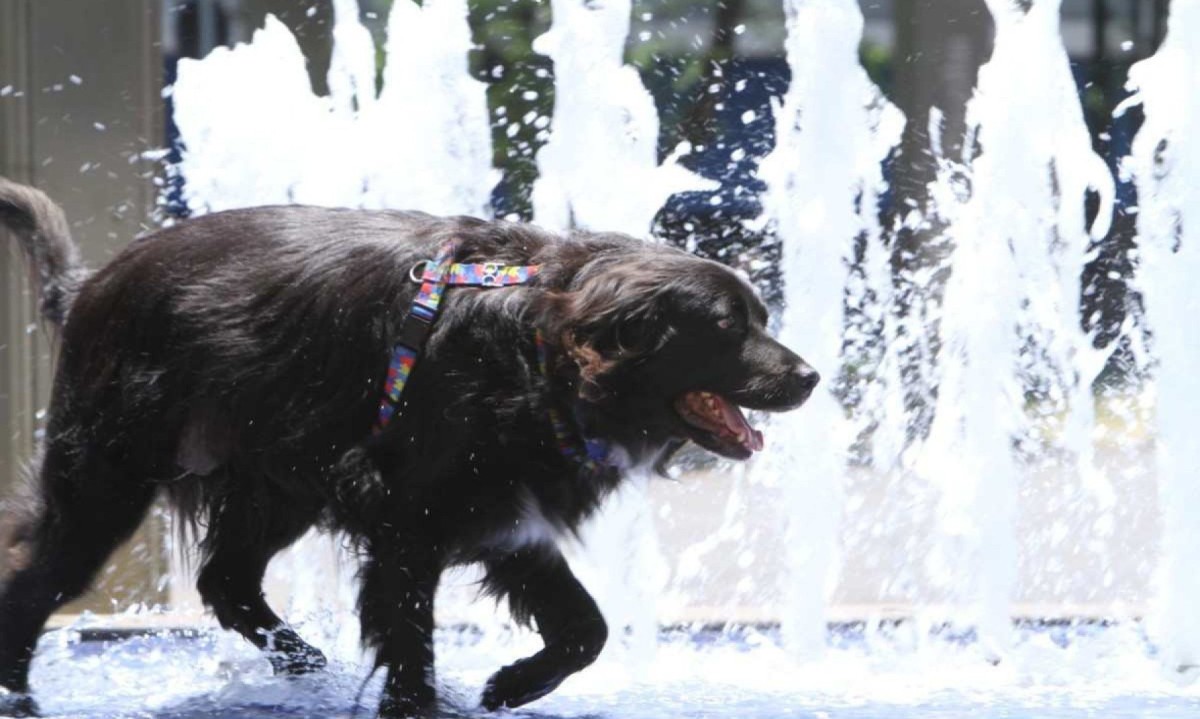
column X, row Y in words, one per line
column 528, row 526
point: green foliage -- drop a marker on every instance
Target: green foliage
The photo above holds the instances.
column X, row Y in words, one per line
column 520, row 90
column 879, row 64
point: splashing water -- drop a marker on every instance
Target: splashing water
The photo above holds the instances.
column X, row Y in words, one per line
column 600, row 170
column 1011, row 279
column 1064, row 674
column 424, row 141
column 1165, row 163
column 256, row 133
column 824, row 176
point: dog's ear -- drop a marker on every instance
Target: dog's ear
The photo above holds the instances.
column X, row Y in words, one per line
column 613, row 322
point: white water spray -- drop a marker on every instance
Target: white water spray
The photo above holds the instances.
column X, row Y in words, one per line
column 833, row 130
column 600, row 170
column 423, row 143
column 428, row 141
column 1019, row 249
column 1165, row 162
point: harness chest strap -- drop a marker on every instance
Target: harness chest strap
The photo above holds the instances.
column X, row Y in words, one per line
column 594, row 454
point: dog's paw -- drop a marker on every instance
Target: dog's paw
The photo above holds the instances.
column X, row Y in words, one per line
column 517, row 684
column 298, row 662
column 400, row 707
column 16, row 704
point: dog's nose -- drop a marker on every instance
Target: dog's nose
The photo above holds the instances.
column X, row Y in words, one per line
column 806, row 377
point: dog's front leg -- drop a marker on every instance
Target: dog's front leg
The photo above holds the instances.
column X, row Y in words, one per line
column 396, row 610
column 540, row 585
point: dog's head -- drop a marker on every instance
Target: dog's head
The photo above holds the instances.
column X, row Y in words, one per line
column 671, row 347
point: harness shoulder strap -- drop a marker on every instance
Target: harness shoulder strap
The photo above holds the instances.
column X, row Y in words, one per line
column 438, row 274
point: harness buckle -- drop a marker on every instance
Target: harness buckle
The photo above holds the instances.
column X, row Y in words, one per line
column 415, row 331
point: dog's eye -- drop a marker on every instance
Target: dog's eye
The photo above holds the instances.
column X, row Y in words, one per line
column 725, row 323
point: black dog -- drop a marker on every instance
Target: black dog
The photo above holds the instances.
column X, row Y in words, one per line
column 235, row 362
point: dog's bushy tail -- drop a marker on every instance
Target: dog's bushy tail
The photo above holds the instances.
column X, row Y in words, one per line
column 45, row 238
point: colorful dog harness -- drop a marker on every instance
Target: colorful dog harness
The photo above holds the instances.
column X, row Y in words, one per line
column 438, row 274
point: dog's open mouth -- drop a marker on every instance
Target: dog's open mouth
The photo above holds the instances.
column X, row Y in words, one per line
column 718, row 425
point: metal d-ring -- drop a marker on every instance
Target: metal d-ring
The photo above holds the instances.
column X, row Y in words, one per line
column 419, row 277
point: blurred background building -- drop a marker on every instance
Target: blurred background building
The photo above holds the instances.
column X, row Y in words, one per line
column 85, row 114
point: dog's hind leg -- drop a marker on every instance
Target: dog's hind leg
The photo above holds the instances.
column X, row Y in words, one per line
column 244, row 533
column 89, row 505
column 540, row 585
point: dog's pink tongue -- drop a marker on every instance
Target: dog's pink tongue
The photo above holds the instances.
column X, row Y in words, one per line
column 736, row 423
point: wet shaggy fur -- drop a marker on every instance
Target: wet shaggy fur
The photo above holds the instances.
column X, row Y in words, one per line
column 235, row 362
